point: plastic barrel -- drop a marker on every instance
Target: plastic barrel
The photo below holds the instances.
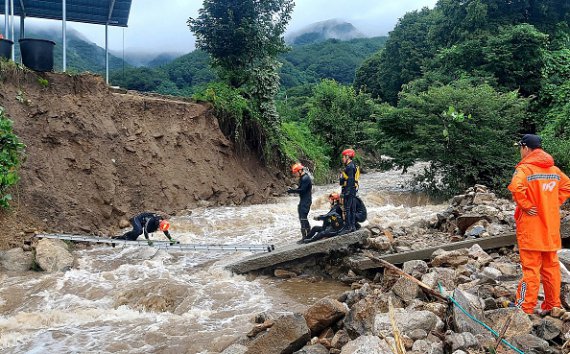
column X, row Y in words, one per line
column 6, row 48
column 37, row 54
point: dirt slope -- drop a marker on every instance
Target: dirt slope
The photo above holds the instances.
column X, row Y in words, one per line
column 95, row 157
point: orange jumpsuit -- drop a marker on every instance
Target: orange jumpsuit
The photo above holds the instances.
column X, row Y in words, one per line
column 538, row 183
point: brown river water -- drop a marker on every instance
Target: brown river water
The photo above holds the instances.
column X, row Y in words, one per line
column 144, row 300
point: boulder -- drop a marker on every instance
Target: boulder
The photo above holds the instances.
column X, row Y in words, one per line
column 453, row 258
column 530, row 344
column 520, row 324
column 16, row 260
column 289, row 334
column 324, row 313
column 235, row 349
column 548, row 328
column 366, row 345
column 466, row 220
column 445, row 276
column 340, row 339
column 380, row 243
column 484, row 198
column 313, row 349
column 406, row 289
column 360, row 318
column 407, row 321
column 416, row 268
column 473, row 305
column 53, row 255
column 460, row 341
column 479, row 255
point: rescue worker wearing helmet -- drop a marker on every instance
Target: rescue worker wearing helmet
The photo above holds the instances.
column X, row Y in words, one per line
column 332, row 221
column 305, row 196
column 349, row 183
column 147, row 223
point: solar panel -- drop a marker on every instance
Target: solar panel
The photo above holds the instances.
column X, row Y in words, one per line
column 101, row 12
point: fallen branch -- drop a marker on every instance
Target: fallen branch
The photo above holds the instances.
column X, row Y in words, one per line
column 390, row 266
column 503, row 331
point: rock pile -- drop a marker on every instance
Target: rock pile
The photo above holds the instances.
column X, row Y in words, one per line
column 359, row 321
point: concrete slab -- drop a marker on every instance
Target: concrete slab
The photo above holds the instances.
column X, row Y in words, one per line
column 291, row 252
column 361, row 262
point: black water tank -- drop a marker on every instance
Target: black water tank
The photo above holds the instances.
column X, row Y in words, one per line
column 37, row 54
column 6, row 48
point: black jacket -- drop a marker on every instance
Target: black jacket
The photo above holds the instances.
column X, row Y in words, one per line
column 333, row 218
column 150, row 223
column 304, row 190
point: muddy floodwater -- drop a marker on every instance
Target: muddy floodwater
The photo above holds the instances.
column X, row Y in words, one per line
column 144, row 300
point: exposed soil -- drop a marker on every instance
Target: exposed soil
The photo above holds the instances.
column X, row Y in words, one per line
column 95, row 157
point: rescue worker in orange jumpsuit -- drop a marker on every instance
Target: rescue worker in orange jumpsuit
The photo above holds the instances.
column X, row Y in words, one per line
column 304, row 190
column 539, row 189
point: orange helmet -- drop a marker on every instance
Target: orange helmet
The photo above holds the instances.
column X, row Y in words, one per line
column 334, row 196
column 164, row 225
column 296, row 168
column 349, row 153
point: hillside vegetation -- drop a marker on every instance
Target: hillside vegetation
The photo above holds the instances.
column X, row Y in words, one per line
column 465, row 79
column 331, row 59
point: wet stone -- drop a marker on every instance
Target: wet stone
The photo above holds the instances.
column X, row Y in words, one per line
column 548, row 328
column 415, row 268
column 456, row 341
column 530, row 344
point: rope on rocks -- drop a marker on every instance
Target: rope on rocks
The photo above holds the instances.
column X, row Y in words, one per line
column 479, row 321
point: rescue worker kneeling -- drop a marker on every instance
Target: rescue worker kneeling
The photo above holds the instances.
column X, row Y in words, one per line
column 147, row 223
column 332, row 222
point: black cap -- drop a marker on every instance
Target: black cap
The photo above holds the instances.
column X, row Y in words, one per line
column 530, row 140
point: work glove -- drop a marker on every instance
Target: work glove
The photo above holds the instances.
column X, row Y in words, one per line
column 290, row 190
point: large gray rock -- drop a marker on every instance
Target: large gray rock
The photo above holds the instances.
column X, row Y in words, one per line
column 16, row 260
column 480, row 255
column 416, row 268
column 313, row 349
column 453, row 258
column 459, row 341
column 530, row 344
column 340, row 339
column 548, row 328
column 53, row 255
column 360, row 318
column 366, row 345
column 289, row 334
column 445, row 276
column 235, row 349
column 473, row 305
column 520, row 324
column 324, row 313
column 407, row 321
column 406, row 289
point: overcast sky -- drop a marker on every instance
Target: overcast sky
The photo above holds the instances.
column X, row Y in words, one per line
column 160, row 26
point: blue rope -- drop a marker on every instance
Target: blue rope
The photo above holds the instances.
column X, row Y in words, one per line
column 479, row 322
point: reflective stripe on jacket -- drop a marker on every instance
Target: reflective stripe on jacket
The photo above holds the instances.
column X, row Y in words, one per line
column 538, row 183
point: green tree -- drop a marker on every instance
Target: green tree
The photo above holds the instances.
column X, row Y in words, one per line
column 516, row 57
column 464, row 131
column 338, row 114
column 243, row 38
column 11, row 155
column 401, row 61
